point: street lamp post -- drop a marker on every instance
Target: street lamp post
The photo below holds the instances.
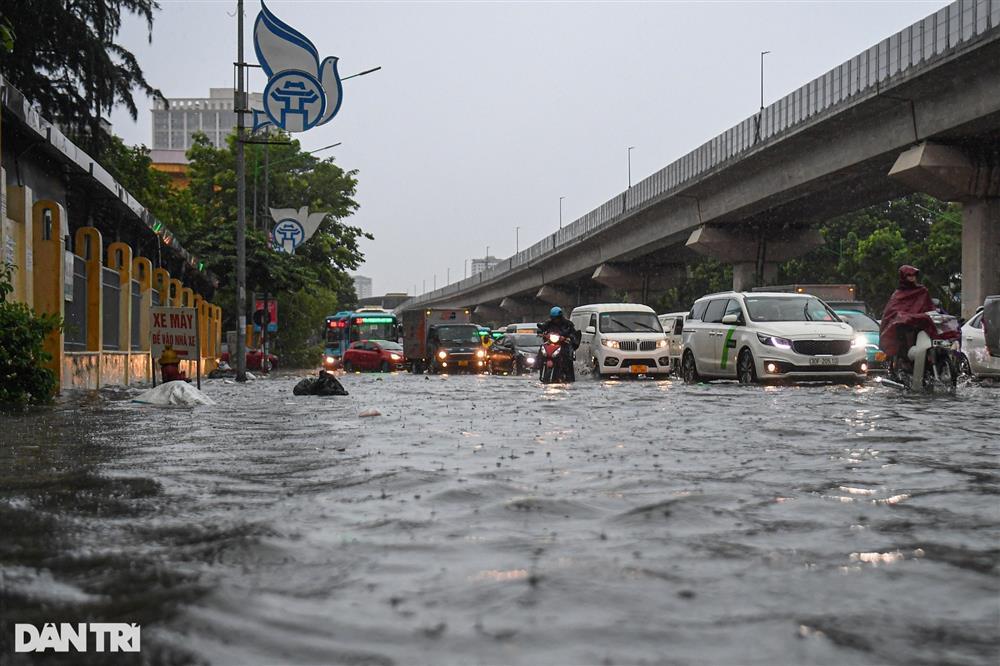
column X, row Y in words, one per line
column 241, row 213
column 517, row 240
column 560, row 211
column 629, row 153
column 762, row 54
column 448, row 274
column 465, row 269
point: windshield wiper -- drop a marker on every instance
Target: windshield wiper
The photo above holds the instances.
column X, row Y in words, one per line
column 639, row 323
column 805, row 312
column 623, row 326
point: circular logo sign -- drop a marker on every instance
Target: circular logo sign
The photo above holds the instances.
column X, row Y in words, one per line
column 294, row 100
column 288, row 234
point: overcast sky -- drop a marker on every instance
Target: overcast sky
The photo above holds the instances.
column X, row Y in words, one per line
column 484, row 114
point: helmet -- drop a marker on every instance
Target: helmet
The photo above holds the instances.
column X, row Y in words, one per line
column 556, row 311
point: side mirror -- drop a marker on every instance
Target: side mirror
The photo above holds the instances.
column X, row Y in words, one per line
column 590, row 330
column 731, row 320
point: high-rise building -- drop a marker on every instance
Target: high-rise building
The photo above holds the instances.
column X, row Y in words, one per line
column 176, row 122
column 363, row 286
column 484, row 264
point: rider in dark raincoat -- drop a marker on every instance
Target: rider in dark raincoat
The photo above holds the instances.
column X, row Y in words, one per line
column 904, row 314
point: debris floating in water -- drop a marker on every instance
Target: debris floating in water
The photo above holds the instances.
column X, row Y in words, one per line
column 173, row 394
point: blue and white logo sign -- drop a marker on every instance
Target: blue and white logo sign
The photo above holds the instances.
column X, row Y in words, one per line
column 293, row 227
column 301, row 91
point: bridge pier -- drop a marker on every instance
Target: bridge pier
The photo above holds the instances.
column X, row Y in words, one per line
column 754, row 257
column 489, row 315
column 556, row 296
column 638, row 284
column 952, row 174
column 524, row 309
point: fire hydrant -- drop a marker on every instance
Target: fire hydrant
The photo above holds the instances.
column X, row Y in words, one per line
column 170, row 366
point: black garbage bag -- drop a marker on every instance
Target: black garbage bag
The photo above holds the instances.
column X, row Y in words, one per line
column 325, row 384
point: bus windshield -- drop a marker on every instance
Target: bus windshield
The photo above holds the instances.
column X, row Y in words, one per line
column 375, row 328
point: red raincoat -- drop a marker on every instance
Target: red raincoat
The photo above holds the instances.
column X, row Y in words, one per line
column 907, row 307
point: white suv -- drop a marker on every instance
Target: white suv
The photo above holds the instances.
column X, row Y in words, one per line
column 761, row 336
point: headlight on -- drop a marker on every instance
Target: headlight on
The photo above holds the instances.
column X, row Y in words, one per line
column 613, row 344
column 859, row 341
column 553, row 338
column 480, row 353
column 330, row 360
column 775, row 341
column 530, row 360
column 395, row 357
column 660, row 344
column 442, row 354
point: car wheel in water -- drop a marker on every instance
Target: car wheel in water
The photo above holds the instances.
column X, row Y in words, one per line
column 689, row 370
column 746, row 370
column 964, row 367
column 386, row 367
column 348, row 366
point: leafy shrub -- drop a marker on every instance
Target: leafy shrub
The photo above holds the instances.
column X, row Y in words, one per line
column 23, row 380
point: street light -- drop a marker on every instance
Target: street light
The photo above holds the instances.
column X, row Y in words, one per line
column 762, row 54
column 629, row 152
column 465, row 269
column 560, row 211
column 517, row 240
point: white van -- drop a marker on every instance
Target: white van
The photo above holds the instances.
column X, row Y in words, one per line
column 621, row 338
column 673, row 327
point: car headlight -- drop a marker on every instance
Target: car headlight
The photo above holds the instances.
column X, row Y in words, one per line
column 395, row 357
column 330, row 360
column 530, row 360
column 442, row 354
column 859, row 341
column 775, row 341
column 613, row 344
column 660, row 344
column 480, row 353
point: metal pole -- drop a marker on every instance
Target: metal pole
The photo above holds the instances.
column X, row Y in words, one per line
column 517, row 240
column 560, row 211
column 629, row 153
column 256, row 154
column 448, row 279
column 762, row 54
column 241, row 213
column 465, row 269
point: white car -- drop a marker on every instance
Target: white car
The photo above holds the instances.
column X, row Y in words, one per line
column 976, row 358
column 762, row 336
column 620, row 338
column 673, row 327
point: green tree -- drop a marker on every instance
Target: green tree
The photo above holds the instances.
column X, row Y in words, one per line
column 23, row 379
column 64, row 56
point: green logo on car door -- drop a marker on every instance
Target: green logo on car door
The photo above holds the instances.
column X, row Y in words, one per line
column 726, row 346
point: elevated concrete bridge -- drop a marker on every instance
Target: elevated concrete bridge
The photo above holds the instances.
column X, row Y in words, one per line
column 919, row 111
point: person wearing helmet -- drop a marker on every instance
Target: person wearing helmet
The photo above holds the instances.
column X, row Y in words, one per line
column 557, row 323
column 903, row 314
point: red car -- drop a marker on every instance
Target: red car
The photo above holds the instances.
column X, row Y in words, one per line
column 381, row 355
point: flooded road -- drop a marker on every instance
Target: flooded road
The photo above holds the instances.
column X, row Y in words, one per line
column 491, row 520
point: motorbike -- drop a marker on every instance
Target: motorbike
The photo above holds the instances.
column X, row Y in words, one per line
column 932, row 362
column 555, row 359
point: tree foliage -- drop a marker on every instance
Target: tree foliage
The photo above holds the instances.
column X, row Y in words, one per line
column 23, row 379
column 867, row 248
column 64, row 56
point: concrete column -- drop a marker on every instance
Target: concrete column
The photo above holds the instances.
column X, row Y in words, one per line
column 556, row 296
column 486, row 314
column 980, row 253
column 755, row 257
column 20, row 239
column 88, row 246
column 48, row 230
column 948, row 173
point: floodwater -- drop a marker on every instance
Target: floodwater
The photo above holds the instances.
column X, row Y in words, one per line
column 493, row 520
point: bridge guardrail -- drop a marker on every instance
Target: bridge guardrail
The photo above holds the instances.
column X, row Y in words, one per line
column 911, row 49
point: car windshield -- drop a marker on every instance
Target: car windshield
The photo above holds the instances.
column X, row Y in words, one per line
column 629, row 322
column 861, row 323
column 794, row 308
column 525, row 340
column 468, row 334
column 388, row 345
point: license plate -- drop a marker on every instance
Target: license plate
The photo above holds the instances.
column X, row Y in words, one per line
column 639, row 369
column 462, row 364
column 822, row 361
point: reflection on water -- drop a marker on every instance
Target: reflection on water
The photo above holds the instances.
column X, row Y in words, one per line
column 496, row 520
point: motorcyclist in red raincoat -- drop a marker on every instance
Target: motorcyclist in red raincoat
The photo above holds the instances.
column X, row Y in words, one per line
column 904, row 315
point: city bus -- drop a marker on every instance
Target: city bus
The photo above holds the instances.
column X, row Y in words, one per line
column 343, row 328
